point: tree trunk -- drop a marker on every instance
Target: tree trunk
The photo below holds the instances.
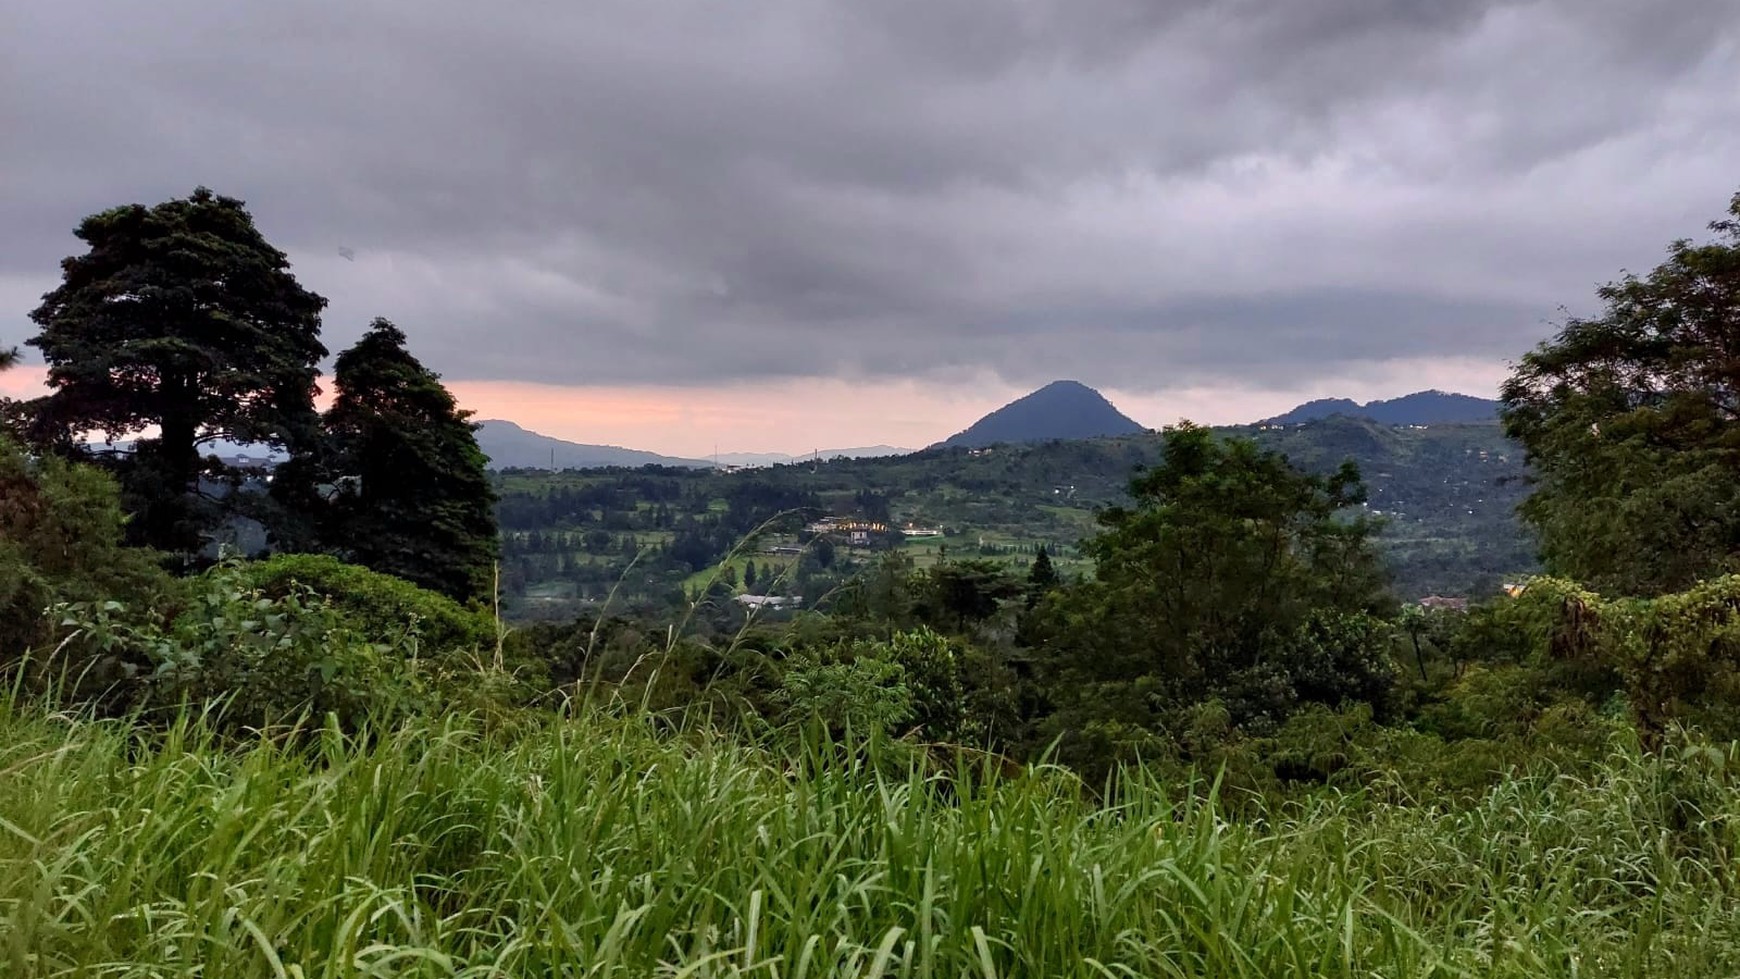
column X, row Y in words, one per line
column 180, row 429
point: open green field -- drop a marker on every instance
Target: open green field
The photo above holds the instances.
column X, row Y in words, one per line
column 927, row 552
column 768, row 567
column 598, row 846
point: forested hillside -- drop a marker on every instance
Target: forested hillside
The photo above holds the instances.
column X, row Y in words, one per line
column 1419, row 408
column 1446, row 497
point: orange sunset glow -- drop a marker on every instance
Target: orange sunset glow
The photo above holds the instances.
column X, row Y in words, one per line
column 803, row 415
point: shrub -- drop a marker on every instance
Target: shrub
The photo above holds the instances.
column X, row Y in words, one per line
column 855, row 696
column 60, row 541
column 936, row 699
column 932, row 665
column 376, row 605
column 259, row 659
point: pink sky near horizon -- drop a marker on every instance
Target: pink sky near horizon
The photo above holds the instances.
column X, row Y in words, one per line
column 805, row 414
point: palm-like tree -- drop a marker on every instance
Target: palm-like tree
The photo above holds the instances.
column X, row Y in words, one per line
column 8, row 358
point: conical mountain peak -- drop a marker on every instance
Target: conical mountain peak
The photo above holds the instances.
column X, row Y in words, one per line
column 1063, row 409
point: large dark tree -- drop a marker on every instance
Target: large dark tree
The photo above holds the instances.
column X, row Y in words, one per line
column 181, row 318
column 8, row 358
column 1233, row 578
column 959, row 594
column 415, row 498
column 1631, row 420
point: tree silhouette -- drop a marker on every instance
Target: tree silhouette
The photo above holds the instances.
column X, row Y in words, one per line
column 415, row 498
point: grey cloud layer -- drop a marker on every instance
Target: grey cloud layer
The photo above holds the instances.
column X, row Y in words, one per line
column 1137, row 193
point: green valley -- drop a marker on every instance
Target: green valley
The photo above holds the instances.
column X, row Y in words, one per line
column 1445, row 496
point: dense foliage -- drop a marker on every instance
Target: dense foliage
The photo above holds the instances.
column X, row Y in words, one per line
column 260, row 660
column 379, row 603
column 61, row 530
column 1234, row 579
column 1632, row 424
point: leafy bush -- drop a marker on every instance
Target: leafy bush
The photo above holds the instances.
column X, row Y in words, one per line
column 60, row 541
column 922, row 684
column 376, row 604
column 852, row 696
column 932, row 665
column 260, row 659
column 1675, row 658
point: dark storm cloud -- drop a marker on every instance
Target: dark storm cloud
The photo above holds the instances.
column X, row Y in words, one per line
column 1137, row 193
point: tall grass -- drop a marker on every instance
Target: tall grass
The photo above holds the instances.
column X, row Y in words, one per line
column 601, row 846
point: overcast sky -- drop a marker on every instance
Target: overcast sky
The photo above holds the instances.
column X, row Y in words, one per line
column 776, row 224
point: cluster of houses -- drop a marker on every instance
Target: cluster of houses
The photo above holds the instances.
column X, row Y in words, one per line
column 770, row 601
column 858, row 533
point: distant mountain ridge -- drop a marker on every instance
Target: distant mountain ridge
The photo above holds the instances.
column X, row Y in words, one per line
column 1059, row 410
column 1420, row 408
column 509, row 446
column 783, row 458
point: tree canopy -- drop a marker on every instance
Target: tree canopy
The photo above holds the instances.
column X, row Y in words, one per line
column 960, row 594
column 421, row 507
column 179, row 317
column 1630, row 422
column 1234, row 577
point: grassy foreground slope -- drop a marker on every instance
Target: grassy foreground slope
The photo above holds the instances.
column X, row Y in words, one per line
column 597, row 847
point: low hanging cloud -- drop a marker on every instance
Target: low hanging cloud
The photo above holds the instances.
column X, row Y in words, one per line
column 1147, row 196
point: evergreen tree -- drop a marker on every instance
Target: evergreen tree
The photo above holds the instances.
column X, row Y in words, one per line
column 11, row 416
column 423, row 509
column 1041, row 578
column 179, row 317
